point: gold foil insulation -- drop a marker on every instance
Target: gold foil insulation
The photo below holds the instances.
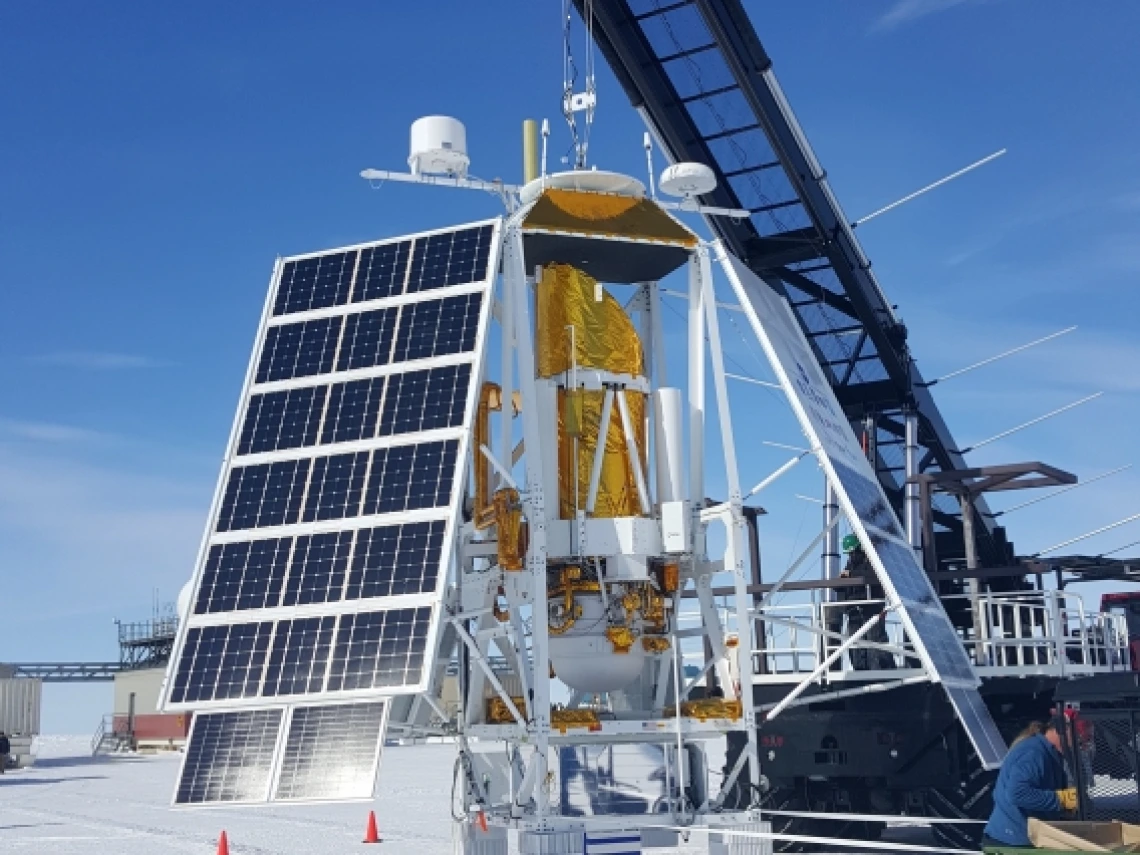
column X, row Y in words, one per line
column 604, row 338
column 490, row 399
column 584, row 212
column 604, row 335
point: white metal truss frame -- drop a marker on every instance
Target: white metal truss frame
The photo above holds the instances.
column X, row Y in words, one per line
column 287, row 710
column 450, row 512
column 526, row 589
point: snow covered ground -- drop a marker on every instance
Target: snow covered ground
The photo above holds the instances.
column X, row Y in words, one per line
column 72, row 804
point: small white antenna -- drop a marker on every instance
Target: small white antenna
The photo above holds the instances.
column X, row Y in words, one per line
column 647, row 142
column 928, row 188
column 545, row 138
column 1030, row 423
column 1017, row 349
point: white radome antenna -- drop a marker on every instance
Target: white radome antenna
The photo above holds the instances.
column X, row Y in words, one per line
column 687, row 181
column 439, row 147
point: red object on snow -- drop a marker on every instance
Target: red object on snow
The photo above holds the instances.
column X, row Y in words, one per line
column 223, row 845
column 482, row 820
column 371, row 834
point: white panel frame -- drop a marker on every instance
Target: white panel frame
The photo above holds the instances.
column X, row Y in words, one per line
column 449, row 513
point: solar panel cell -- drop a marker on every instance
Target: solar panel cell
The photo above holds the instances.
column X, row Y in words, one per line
column 451, row 258
column 352, row 411
column 330, row 752
column 242, row 576
column 411, row 477
column 377, row 650
column 367, row 339
column 315, row 283
column 438, row 327
column 394, row 560
column 335, row 488
column 281, row 420
column 316, row 573
column 382, row 272
column 229, row 757
column 300, row 656
column 222, row 662
column 425, row 400
column 299, row 349
column 263, row 495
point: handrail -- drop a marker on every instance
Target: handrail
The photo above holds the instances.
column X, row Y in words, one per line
column 1020, row 632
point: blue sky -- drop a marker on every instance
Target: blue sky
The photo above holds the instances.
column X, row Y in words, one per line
column 154, row 160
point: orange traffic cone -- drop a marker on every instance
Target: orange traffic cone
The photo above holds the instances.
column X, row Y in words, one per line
column 481, row 819
column 223, row 845
column 371, row 835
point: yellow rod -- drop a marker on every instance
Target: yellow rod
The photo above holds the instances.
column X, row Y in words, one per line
column 530, row 150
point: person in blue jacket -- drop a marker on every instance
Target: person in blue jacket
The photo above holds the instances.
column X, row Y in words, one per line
column 1032, row 783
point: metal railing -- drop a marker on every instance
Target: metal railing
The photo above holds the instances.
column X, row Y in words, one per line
column 113, row 730
column 1047, row 633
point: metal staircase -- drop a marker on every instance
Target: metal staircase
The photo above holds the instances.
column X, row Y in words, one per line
column 113, row 736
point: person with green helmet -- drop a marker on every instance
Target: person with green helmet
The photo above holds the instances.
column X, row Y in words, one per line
column 858, row 613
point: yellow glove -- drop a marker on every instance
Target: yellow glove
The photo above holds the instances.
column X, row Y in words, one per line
column 1068, row 799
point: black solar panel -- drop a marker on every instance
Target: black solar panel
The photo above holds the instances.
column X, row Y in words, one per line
column 367, row 339
column 299, row 349
column 399, row 478
column 315, row 283
column 330, row 752
column 378, row 650
column 353, row 409
column 425, row 400
column 243, row 575
column 281, row 420
column 450, row 258
column 315, row 581
column 229, row 757
column 222, row 662
column 264, row 495
column 410, row 477
column 300, row 656
column 317, row 570
column 398, row 559
column 371, row 650
column 382, row 272
column 385, row 561
column 437, row 327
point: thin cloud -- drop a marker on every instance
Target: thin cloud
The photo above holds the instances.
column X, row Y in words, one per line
column 93, row 360
column 905, row 11
column 47, row 431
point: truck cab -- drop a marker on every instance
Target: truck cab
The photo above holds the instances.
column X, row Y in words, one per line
column 1127, row 606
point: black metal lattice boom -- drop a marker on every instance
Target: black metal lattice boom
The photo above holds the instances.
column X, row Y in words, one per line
column 697, row 73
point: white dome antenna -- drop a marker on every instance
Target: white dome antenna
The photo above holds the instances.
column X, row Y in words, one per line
column 439, row 147
column 687, row 180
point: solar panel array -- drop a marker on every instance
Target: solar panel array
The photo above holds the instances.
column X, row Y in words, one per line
column 326, row 553
column 867, row 508
column 302, row 753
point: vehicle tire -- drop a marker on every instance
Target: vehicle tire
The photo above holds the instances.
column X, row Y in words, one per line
column 971, row 798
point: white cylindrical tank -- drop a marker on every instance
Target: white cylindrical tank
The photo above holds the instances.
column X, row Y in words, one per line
column 668, row 448
column 438, row 147
column 584, row 659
